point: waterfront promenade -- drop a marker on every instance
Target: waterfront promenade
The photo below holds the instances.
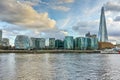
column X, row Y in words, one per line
column 49, row 51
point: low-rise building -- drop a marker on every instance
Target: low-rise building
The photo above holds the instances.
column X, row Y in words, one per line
column 69, row 42
column 51, row 43
column 5, row 42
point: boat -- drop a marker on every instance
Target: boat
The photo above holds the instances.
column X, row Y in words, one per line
column 110, row 51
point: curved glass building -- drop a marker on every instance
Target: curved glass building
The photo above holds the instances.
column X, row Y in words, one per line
column 23, row 42
column 68, row 42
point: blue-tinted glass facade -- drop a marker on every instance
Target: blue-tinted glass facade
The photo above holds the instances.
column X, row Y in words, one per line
column 23, row 42
column 102, row 35
column 68, row 42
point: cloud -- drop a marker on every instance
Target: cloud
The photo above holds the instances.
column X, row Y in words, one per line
column 58, row 34
column 117, row 18
column 66, row 1
column 113, row 6
column 58, row 5
column 24, row 15
column 83, row 27
column 61, row 8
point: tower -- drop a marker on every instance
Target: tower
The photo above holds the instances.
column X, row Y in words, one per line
column 102, row 35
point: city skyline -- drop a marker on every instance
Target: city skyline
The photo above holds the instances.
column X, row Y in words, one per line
column 57, row 18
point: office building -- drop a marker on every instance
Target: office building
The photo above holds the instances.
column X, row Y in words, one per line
column 5, row 42
column 41, row 43
column 102, row 35
column 23, row 42
column 59, row 44
column 1, row 37
column 92, row 43
column 51, row 43
column 68, row 42
column 33, row 42
column 81, row 43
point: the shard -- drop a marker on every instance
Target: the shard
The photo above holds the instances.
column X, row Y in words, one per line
column 102, row 35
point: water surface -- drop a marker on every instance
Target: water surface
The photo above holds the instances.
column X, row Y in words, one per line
column 59, row 66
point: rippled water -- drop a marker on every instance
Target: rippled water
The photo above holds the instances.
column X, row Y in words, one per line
column 59, row 66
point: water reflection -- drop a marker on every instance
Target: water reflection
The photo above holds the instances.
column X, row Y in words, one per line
column 59, row 66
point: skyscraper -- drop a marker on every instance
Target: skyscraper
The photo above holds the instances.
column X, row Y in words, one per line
column 102, row 35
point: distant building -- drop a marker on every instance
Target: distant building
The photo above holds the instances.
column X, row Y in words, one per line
column 52, row 43
column 5, row 42
column 59, row 44
column 39, row 43
column 102, row 35
column 81, row 43
column 68, row 42
column 92, row 43
column 89, row 35
column 86, row 43
column 23, row 42
column 106, row 45
column 42, row 43
column 33, row 42
column 0, row 37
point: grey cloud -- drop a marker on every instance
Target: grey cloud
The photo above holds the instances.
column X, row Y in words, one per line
column 84, row 27
column 117, row 18
column 112, row 6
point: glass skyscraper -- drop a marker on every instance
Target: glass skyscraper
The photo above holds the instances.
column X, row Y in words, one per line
column 102, row 35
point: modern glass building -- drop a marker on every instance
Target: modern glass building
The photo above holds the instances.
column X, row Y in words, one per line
column 5, row 42
column 59, row 44
column 33, row 43
column 23, row 42
column 92, row 43
column 42, row 43
column 68, row 42
column 102, row 35
column 86, row 43
column 51, row 43
column 0, row 37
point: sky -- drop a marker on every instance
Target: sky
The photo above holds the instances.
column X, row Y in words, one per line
column 58, row 18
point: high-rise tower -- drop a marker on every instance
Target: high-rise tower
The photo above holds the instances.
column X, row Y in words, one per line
column 102, row 35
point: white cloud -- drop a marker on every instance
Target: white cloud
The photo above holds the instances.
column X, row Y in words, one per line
column 66, row 1
column 24, row 15
column 61, row 8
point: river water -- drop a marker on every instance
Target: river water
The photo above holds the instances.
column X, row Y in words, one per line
column 64, row 66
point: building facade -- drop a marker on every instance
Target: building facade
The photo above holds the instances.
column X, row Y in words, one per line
column 42, row 43
column 23, row 42
column 51, row 43
column 68, row 42
column 33, row 43
column 0, row 37
column 5, row 42
column 86, row 43
column 59, row 44
column 102, row 35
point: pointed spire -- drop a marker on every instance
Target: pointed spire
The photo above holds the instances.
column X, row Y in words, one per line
column 102, row 36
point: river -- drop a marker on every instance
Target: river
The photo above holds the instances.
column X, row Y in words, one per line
column 62, row 66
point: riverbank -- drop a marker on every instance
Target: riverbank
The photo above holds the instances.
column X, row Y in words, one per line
column 49, row 51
